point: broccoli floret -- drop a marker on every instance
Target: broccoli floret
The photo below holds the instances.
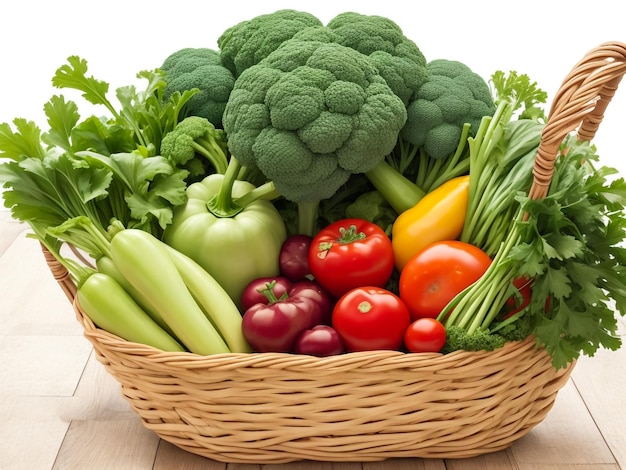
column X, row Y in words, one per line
column 248, row 42
column 200, row 69
column 480, row 340
column 194, row 141
column 373, row 207
column 517, row 330
column 309, row 115
column 398, row 59
column 451, row 96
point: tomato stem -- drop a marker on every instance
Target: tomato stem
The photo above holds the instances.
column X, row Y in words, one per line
column 350, row 234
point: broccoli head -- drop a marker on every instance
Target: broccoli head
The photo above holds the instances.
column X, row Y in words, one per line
column 201, row 69
column 451, row 96
column 398, row 59
column 311, row 114
column 196, row 145
column 373, row 207
column 250, row 41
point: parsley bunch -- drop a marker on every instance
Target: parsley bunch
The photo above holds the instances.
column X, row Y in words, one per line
column 571, row 244
column 568, row 243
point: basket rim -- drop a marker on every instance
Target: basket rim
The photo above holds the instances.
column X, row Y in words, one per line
column 360, row 359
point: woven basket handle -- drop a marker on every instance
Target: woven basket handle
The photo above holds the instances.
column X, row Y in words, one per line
column 579, row 104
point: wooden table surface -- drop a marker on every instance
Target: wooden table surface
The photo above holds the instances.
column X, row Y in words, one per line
column 59, row 409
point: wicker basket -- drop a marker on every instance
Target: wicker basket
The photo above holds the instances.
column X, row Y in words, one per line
column 366, row 406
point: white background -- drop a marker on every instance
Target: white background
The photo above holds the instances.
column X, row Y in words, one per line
column 118, row 38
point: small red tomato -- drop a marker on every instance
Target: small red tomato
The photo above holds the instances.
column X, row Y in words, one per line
column 436, row 274
column 351, row 253
column 425, row 335
column 370, row 318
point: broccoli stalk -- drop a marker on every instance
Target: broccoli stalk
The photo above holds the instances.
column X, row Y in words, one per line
column 400, row 192
column 408, row 173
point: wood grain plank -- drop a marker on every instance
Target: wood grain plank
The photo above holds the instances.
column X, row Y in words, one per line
column 171, row 457
column 247, row 466
column 302, row 465
column 10, row 229
column 108, row 444
column 31, row 431
column 97, row 397
column 601, row 382
column 347, row 466
column 501, row 460
column 104, row 432
column 568, row 436
column 32, row 302
column 406, row 464
column 37, row 365
column 569, row 467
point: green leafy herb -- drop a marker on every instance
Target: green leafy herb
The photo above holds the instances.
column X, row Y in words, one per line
column 571, row 244
column 103, row 168
column 575, row 237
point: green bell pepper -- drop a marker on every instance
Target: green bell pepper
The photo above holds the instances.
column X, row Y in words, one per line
column 230, row 228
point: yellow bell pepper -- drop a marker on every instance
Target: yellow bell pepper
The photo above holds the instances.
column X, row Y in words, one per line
column 438, row 216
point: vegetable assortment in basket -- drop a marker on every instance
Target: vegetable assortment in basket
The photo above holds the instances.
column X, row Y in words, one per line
column 314, row 193
column 320, row 120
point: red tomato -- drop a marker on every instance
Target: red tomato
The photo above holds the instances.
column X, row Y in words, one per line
column 351, row 253
column 437, row 273
column 425, row 335
column 370, row 318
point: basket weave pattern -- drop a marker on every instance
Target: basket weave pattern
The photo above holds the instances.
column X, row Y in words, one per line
column 365, row 406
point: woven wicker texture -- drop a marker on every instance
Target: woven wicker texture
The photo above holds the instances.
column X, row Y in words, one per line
column 276, row 408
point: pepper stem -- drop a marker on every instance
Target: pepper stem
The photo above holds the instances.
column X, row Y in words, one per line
column 222, row 204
